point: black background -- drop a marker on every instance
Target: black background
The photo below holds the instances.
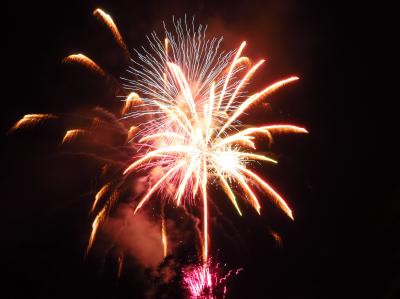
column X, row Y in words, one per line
column 339, row 179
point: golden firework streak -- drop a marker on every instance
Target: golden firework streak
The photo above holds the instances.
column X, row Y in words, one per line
column 164, row 238
column 85, row 61
column 31, row 120
column 108, row 21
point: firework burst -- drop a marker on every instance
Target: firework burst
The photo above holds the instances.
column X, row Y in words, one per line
column 195, row 96
column 186, row 99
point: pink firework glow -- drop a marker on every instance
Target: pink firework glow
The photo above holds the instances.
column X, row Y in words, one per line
column 207, row 281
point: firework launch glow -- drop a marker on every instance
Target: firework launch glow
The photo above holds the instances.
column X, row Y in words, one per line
column 187, row 98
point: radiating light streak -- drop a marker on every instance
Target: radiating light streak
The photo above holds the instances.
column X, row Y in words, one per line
column 251, row 100
column 242, row 82
column 228, row 77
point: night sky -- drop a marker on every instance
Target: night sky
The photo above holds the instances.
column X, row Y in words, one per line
column 338, row 179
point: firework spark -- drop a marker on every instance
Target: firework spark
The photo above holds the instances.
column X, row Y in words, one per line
column 164, row 238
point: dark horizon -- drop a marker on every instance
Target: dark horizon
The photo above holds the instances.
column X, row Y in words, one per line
column 342, row 243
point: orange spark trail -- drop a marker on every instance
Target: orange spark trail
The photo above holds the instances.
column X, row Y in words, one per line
column 251, row 100
column 99, row 195
column 279, row 200
column 108, row 21
column 233, row 64
column 164, row 239
column 132, row 132
column 85, row 61
column 131, row 101
column 31, row 120
column 242, row 82
column 120, row 265
column 277, row 238
column 72, row 134
column 95, row 226
column 166, row 46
